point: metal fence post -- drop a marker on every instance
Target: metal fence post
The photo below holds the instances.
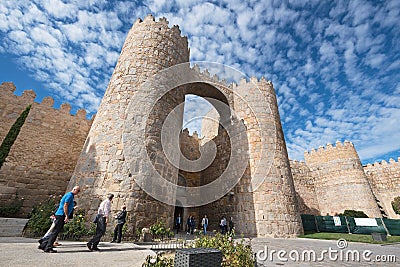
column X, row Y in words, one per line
column 384, row 226
column 316, row 223
column 347, row 224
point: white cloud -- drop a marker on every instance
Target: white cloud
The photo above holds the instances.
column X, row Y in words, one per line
column 58, row 9
column 41, row 36
column 334, row 65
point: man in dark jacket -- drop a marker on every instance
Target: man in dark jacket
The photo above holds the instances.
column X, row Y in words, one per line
column 121, row 219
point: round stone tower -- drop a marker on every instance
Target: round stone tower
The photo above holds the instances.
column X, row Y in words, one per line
column 273, row 197
column 341, row 183
column 149, row 47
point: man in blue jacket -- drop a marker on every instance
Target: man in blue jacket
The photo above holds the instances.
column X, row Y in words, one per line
column 63, row 212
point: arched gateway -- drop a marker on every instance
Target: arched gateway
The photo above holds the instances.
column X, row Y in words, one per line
column 135, row 149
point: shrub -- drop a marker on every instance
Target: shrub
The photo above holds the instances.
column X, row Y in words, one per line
column 12, row 208
column 234, row 253
column 354, row 213
column 396, row 205
column 158, row 230
column 39, row 222
column 78, row 227
column 158, row 261
column 39, row 218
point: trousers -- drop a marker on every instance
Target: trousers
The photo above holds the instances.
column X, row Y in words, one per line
column 47, row 244
column 118, row 232
column 100, row 230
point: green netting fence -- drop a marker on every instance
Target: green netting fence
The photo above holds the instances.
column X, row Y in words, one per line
column 331, row 224
column 393, row 226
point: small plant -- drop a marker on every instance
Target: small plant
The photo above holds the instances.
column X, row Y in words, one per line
column 12, row 208
column 158, row 230
column 158, row 261
column 234, row 253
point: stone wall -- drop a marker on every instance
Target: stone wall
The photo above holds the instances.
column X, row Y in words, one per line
column 304, row 184
column 209, row 125
column 44, row 155
column 340, row 181
column 384, row 179
column 189, row 145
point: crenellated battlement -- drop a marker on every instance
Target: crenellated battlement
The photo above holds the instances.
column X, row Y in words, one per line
column 214, row 79
column 161, row 25
column 254, row 81
column 383, row 163
column 343, row 151
column 297, row 164
column 8, row 87
column 248, row 86
column 329, row 147
column 243, row 82
column 185, row 133
column 7, row 91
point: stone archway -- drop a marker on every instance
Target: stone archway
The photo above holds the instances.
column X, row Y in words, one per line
column 126, row 155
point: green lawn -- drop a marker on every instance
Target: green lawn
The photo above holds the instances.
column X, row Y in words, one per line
column 350, row 238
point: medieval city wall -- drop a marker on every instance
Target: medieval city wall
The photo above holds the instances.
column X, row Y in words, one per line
column 340, row 182
column 43, row 157
column 304, row 184
column 122, row 148
column 384, row 178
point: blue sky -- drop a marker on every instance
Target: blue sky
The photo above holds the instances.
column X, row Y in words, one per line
column 335, row 65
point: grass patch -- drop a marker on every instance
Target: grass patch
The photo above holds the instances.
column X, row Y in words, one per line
column 350, row 238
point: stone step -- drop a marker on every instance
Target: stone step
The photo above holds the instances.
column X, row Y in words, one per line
column 12, row 226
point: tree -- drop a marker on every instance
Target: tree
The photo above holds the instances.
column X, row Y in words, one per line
column 396, row 205
column 354, row 213
column 12, row 135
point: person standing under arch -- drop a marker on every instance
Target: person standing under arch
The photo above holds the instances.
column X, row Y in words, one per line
column 204, row 223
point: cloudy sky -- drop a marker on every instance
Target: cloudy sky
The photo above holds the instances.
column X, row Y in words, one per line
column 334, row 64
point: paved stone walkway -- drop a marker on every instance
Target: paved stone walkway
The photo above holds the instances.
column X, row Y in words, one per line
column 18, row 251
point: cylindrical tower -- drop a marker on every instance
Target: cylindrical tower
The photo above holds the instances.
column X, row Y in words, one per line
column 149, row 47
column 341, row 183
column 273, row 195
